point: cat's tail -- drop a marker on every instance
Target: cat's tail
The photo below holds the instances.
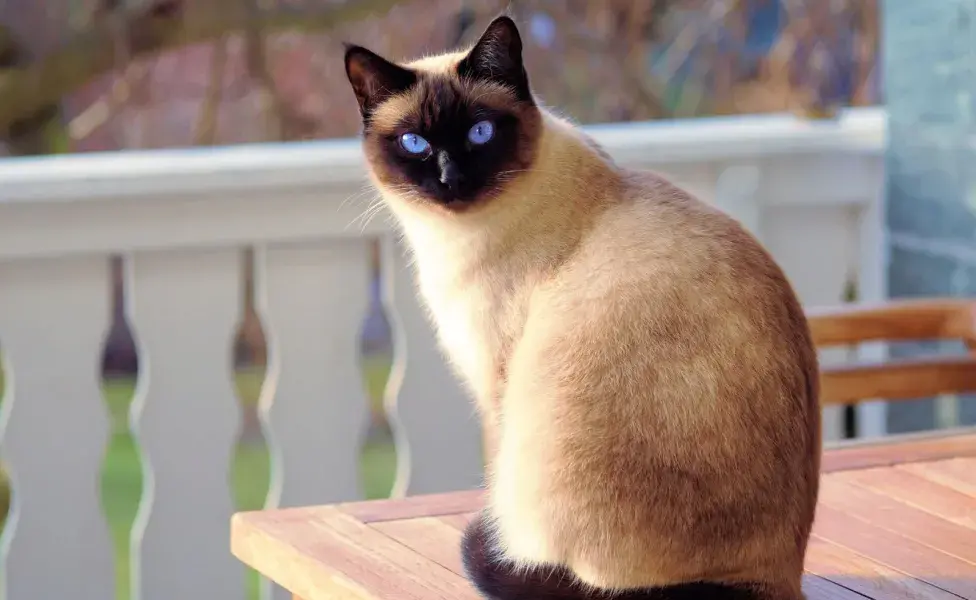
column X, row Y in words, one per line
column 497, row 579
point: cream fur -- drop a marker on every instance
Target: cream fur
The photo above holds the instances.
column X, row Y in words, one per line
column 475, row 280
column 641, row 361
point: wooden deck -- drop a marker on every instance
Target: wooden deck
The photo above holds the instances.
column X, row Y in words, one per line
column 895, row 522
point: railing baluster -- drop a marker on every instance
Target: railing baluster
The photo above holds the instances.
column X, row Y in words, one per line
column 184, row 307
column 312, row 298
column 437, row 431
column 736, row 192
column 53, row 317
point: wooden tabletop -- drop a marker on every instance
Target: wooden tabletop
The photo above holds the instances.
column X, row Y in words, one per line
column 895, row 522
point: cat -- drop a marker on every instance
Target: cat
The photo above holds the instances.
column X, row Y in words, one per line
column 642, row 366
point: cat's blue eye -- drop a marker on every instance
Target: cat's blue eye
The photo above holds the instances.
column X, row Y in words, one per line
column 481, row 132
column 413, row 143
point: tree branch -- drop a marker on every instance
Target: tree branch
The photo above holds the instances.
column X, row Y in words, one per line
column 205, row 132
column 33, row 89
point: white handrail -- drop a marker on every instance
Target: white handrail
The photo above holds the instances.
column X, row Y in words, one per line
column 339, row 162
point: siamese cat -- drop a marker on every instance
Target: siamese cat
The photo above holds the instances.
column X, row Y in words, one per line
column 643, row 366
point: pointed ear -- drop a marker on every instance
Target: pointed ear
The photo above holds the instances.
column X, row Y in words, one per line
column 498, row 57
column 373, row 78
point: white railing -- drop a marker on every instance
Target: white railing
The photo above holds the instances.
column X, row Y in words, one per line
column 811, row 191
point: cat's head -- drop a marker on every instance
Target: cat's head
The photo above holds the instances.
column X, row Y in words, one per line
column 450, row 131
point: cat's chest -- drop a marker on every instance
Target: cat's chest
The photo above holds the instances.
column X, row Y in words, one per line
column 477, row 325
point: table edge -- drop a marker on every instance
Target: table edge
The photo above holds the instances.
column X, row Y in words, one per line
column 898, row 449
column 846, row 456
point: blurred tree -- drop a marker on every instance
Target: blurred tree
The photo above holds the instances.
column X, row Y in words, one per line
column 44, row 60
column 151, row 73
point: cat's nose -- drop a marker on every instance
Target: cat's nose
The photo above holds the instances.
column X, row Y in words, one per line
column 451, row 178
column 450, row 174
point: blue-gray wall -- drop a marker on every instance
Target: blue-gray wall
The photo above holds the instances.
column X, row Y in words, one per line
column 929, row 54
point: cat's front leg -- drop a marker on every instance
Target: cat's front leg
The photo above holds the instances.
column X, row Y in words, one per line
column 490, row 434
column 484, row 386
column 499, row 578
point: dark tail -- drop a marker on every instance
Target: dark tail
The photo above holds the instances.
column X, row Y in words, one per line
column 496, row 579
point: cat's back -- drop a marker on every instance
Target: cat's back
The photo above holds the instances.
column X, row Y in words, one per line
column 654, row 238
column 704, row 309
column 669, row 324
column 657, row 219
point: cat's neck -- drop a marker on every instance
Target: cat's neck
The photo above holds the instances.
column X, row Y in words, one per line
column 543, row 212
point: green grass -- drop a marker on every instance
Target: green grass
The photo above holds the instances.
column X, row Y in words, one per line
column 122, row 473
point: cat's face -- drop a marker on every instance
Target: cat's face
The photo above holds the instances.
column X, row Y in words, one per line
column 449, row 131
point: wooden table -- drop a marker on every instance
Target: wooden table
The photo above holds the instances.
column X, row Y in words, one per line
column 896, row 521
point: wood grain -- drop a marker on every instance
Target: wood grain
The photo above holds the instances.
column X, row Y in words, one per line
column 905, row 520
column 325, row 553
column 818, row 588
column 257, row 541
column 958, row 474
column 426, row 505
column 897, row 380
column 907, row 556
column 893, row 320
column 903, row 531
column 428, row 536
column 918, row 492
column 867, row 577
column 459, row 521
column 903, row 449
column 434, row 579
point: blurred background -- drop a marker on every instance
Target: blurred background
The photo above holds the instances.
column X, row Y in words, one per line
column 94, row 76
column 126, row 74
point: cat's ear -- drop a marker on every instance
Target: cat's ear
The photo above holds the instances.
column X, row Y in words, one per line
column 373, row 78
column 498, row 57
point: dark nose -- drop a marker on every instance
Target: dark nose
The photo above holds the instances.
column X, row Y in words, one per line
column 450, row 174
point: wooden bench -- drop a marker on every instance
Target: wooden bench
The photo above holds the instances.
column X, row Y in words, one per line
column 896, row 321
column 896, row 519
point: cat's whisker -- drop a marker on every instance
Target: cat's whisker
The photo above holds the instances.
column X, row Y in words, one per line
column 375, row 205
column 358, row 199
column 372, row 211
column 365, row 190
column 370, row 216
column 368, row 201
